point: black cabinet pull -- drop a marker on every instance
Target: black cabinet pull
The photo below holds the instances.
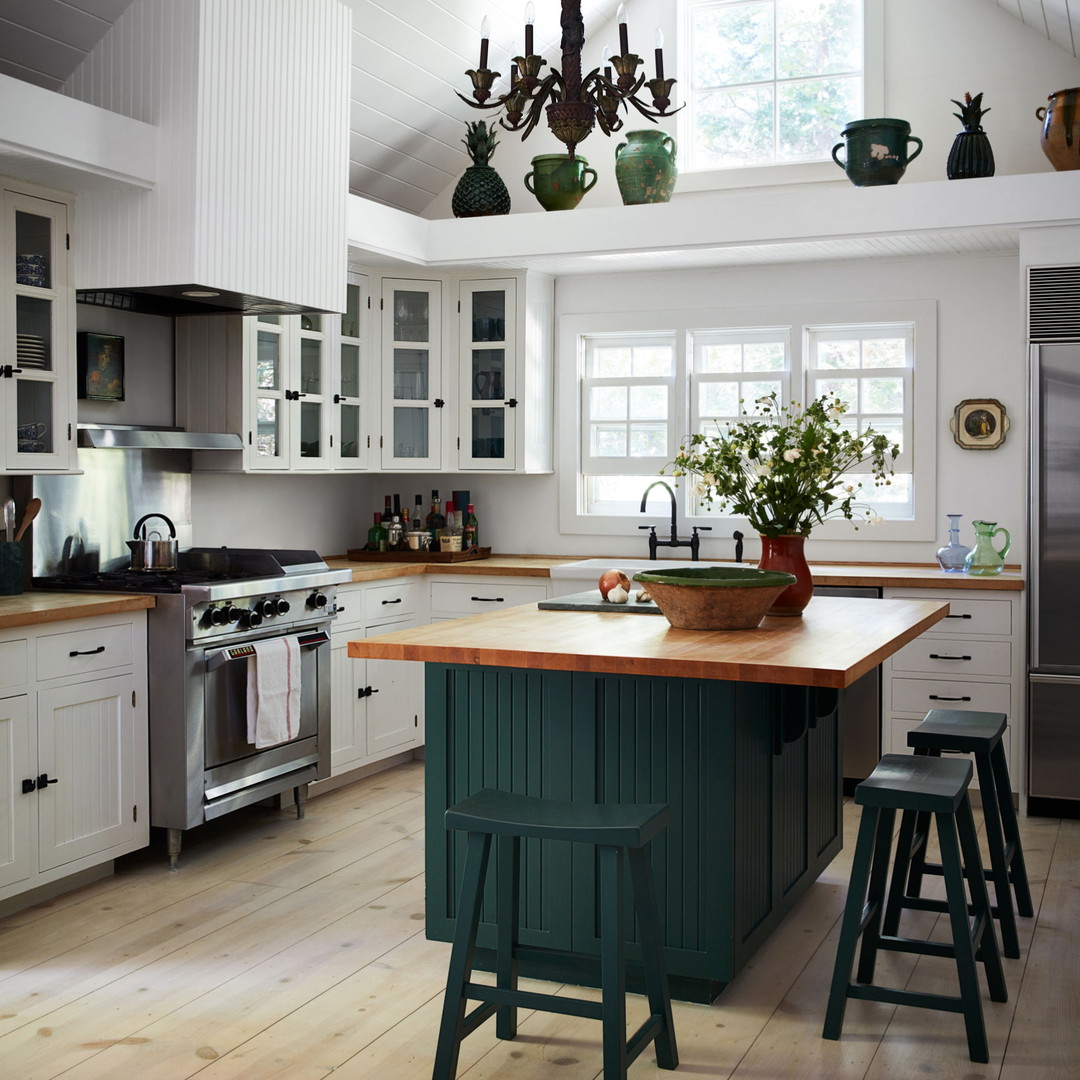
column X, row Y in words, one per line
column 487, row 599
column 339, row 398
column 366, row 691
column 941, row 697
column 965, row 616
column 438, row 403
column 512, row 403
column 945, row 656
column 397, row 601
column 87, row 652
column 44, row 781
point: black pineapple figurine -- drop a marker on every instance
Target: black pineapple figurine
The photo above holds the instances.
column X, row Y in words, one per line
column 971, row 154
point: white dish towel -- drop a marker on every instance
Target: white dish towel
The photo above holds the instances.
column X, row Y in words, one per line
column 273, row 692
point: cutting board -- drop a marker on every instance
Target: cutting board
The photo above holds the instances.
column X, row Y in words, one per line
column 593, row 601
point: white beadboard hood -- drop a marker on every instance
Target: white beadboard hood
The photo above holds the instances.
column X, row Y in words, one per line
column 251, row 105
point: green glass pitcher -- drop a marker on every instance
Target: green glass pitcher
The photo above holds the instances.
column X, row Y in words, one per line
column 984, row 558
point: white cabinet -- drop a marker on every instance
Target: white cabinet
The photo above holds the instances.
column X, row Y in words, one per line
column 37, row 332
column 454, row 597
column 73, row 745
column 377, row 706
column 972, row 659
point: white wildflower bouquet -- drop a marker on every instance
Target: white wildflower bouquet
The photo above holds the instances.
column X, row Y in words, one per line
column 783, row 468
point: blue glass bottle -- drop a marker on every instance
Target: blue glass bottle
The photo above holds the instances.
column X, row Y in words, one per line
column 951, row 557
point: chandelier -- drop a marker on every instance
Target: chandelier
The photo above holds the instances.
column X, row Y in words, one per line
column 573, row 104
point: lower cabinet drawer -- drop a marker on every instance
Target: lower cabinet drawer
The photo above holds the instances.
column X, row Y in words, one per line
column 921, row 695
column 969, row 615
column 391, row 601
column 79, row 651
column 953, row 656
column 13, row 666
column 468, row 598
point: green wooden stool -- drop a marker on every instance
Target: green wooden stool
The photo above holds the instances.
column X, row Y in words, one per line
column 612, row 828
column 917, row 785
column 980, row 734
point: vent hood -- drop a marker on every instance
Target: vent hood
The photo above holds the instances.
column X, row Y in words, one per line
column 172, row 300
column 122, row 437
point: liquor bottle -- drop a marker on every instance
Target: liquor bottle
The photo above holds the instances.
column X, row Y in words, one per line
column 397, row 505
column 471, row 533
column 404, row 519
column 388, row 512
column 435, row 520
column 376, row 537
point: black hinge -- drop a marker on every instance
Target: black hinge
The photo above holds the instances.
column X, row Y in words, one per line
column 249, row 438
column 69, row 433
column 438, row 403
column 459, row 307
column 331, row 442
column 380, row 442
column 512, row 403
column 67, row 241
column 133, row 699
column 134, row 813
column 369, row 303
column 416, row 720
column 459, row 442
column 369, row 442
column 381, row 303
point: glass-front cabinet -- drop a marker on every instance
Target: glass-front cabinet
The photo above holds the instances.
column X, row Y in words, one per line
column 487, row 325
column 353, row 386
column 37, row 330
column 412, row 374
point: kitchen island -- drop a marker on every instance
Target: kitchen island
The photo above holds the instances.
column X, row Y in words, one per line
column 737, row 730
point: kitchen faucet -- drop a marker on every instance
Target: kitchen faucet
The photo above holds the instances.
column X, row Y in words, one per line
column 674, row 541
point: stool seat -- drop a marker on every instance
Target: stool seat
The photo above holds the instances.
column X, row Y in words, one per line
column 904, row 782
column 629, row 825
column 959, row 730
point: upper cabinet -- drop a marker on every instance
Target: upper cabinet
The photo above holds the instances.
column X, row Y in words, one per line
column 37, row 332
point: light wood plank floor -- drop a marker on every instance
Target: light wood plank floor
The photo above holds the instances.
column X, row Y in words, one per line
column 295, row 949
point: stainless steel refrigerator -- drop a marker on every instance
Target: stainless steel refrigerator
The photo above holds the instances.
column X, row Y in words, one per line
column 1054, row 577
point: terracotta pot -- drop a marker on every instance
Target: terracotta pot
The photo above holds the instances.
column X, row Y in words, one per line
column 786, row 553
column 1061, row 128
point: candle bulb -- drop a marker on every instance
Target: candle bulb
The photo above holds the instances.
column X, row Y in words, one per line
column 658, row 41
column 604, row 60
column 529, row 16
column 484, row 42
column 624, row 41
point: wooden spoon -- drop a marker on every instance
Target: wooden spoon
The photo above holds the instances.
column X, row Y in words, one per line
column 31, row 512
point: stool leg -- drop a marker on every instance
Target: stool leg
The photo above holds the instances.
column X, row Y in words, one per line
column 849, row 929
column 980, row 901
column 875, row 899
column 652, row 954
column 953, row 872
column 461, row 957
column 612, row 971
column 506, row 965
column 1011, row 829
column 905, row 855
column 999, row 865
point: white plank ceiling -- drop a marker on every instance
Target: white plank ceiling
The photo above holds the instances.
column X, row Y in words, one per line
column 408, row 60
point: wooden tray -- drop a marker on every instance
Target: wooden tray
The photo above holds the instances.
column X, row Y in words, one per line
column 362, row 555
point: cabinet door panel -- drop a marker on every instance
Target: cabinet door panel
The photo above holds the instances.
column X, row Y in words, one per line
column 396, row 700
column 16, row 842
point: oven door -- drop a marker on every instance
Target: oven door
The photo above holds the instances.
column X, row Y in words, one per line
column 232, row 764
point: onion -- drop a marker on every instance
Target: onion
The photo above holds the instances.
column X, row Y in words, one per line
column 610, row 578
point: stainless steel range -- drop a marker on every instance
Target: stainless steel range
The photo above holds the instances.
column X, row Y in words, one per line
column 210, row 611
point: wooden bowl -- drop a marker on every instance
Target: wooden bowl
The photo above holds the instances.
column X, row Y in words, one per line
column 715, row 597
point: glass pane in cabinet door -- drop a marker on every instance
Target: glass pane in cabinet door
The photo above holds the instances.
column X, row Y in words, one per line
column 350, row 321
column 269, row 318
column 410, row 433
column 310, row 429
column 488, row 369
column 489, row 315
column 33, row 249
column 410, row 374
column 350, row 431
column 411, row 316
column 268, row 362
column 311, row 322
column 268, row 433
column 350, row 371
column 311, row 366
column 34, row 410
column 33, row 333
column 488, row 433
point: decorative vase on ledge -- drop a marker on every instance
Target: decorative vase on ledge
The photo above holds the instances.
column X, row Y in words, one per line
column 480, row 192
column 971, row 154
column 786, row 553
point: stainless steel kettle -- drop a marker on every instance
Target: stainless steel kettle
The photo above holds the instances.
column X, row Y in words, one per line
column 153, row 554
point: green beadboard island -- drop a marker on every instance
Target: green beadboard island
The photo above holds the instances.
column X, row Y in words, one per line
column 737, row 730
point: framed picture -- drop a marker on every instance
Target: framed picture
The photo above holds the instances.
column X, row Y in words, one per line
column 101, row 366
column 979, row 424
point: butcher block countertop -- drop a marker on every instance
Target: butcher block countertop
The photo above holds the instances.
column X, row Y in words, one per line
column 35, row 608
column 836, row 640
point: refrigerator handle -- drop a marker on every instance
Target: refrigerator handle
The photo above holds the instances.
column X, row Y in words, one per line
column 1034, row 405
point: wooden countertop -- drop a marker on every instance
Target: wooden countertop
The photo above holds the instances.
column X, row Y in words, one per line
column 34, row 608
column 495, row 566
column 836, row 640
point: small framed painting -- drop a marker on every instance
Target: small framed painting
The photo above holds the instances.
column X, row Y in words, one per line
column 979, row 424
column 101, row 366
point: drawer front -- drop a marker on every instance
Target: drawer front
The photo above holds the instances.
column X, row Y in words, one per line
column 921, row 695
column 391, row 601
column 969, row 615
column 350, row 607
column 13, row 666
column 468, row 598
column 953, row 656
column 79, row 651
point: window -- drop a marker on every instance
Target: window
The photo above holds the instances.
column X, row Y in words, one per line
column 769, row 82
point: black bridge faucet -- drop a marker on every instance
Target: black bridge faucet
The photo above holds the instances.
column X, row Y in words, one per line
column 674, row 542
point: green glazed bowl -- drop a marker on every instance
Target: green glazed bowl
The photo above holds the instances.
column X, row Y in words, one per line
column 715, row 597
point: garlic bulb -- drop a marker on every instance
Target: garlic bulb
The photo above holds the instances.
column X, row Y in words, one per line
column 618, row 595
column 643, row 597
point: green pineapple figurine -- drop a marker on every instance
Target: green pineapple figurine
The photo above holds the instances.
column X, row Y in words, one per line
column 971, row 154
column 480, row 192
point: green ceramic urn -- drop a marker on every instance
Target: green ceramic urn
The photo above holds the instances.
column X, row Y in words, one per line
column 645, row 167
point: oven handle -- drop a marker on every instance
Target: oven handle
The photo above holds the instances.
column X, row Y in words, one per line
column 242, row 652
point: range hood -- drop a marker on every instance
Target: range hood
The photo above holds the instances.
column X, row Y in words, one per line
column 123, row 437
column 173, row 300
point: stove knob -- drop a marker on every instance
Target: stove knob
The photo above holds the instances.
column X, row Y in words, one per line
column 281, row 606
column 218, row 616
column 316, row 600
column 232, row 613
column 265, row 608
column 250, row 619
